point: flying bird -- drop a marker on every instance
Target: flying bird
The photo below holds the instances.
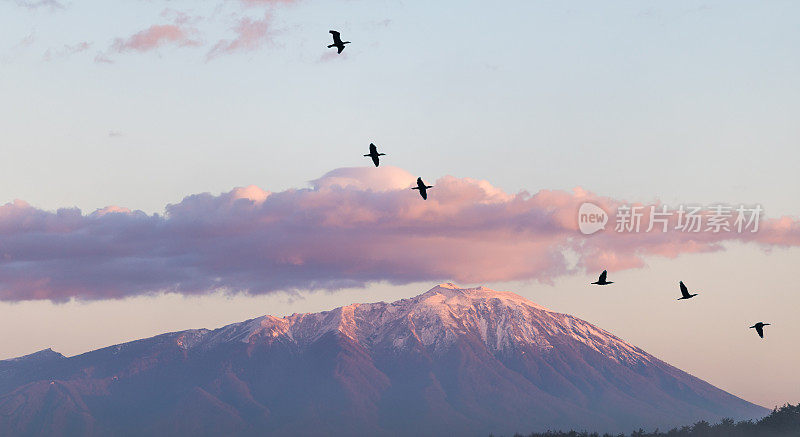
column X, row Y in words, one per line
column 760, row 328
column 337, row 41
column 685, row 293
column 423, row 189
column 373, row 153
column 602, row 279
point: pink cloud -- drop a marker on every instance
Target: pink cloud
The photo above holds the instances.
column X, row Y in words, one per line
column 267, row 2
column 27, row 41
column 67, row 50
column 156, row 36
column 353, row 226
column 101, row 58
column 331, row 55
column 250, row 35
column 35, row 4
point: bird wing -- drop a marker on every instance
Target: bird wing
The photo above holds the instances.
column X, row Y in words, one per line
column 602, row 277
column 424, row 194
column 372, row 149
column 684, row 290
column 375, row 160
column 339, row 49
column 336, row 36
column 760, row 330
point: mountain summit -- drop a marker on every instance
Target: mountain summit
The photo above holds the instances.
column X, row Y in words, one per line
column 451, row 361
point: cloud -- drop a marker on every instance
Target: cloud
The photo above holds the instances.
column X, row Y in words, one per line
column 27, row 41
column 180, row 33
column 101, row 58
column 353, row 226
column 331, row 55
column 267, row 2
column 156, row 36
column 251, row 34
column 31, row 4
column 182, row 30
column 67, row 50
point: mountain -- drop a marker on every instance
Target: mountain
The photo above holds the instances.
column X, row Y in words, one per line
column 451, row 361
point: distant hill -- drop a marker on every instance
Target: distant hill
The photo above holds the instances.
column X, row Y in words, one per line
column 451, row 361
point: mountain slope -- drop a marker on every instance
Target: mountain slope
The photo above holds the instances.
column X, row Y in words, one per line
column 450, row 361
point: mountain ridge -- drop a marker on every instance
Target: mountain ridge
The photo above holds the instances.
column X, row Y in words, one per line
column 466, row 360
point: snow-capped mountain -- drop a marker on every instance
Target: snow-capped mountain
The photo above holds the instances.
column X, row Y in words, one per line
column 435, row 320
column 450, row 361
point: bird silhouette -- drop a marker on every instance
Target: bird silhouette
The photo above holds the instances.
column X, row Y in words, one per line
column 602, row 279
column 337, row 41
column 423, row 189
column 685, row 293
column 760, row 328
column 373, row 153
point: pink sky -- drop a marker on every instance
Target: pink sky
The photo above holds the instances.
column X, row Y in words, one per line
column 159, row 100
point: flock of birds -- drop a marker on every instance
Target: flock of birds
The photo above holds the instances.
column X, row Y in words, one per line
column 373, row 149
column 603, row 280
column 373, row 153
column 423, row 191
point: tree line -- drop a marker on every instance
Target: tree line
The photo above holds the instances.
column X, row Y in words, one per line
column 781, row 422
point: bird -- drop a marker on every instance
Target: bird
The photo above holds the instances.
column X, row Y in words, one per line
column 423, row 189
column 337, row 41
column 602, row 279
column 373, row 153
column 685, row 293
column 760, row 328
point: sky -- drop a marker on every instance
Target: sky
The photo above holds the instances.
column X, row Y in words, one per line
column 182, row 164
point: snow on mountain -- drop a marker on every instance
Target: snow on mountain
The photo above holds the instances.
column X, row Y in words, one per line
column 436, row 319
